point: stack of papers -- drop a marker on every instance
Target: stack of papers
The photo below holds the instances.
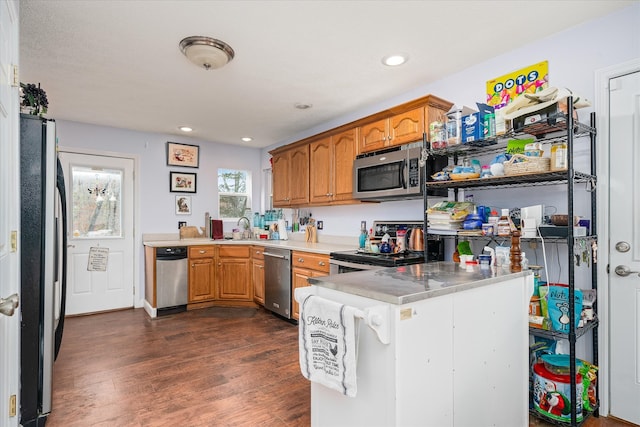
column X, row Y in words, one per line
column 448, row 216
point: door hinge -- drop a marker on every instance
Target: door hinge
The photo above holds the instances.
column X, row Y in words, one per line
column 14, row 241
column 16, row 78
column 12, row 406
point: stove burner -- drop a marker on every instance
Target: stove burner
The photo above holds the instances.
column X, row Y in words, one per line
column 384, row 260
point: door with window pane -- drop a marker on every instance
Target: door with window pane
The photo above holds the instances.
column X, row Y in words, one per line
column 100, row 232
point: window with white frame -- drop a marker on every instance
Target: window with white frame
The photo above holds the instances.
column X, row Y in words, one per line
column 234, row 193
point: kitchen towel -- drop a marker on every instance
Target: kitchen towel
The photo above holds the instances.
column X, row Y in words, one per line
column 328, row 341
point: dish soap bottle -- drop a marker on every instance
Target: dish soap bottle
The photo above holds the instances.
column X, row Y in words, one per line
column 363, row 238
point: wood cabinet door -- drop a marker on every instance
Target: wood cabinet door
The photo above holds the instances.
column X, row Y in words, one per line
column 373, row 136
column 299, row 176
column 281, row 166
column 201, row 279
column 320, row 171
column 257, row 277
column 234, row 279
column 344, row 153
column 406, row 127
column 299, row 278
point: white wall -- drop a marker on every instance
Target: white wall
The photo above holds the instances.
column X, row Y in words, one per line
column 156, row 203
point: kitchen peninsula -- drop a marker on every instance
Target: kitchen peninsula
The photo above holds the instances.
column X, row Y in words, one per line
column 445, row 346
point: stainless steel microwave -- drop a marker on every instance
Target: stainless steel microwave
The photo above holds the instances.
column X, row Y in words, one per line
column 393, row 174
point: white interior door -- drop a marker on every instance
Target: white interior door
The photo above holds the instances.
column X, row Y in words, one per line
column 9, row 214
column 100, row 273
column 624, row 250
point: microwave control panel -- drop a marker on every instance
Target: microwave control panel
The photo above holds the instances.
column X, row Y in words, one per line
column 414, row 173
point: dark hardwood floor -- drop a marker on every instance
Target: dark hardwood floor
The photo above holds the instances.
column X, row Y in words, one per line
column 208, row 367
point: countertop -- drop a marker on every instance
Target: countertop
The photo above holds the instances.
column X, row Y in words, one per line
column 295, row 245
column 411, row 283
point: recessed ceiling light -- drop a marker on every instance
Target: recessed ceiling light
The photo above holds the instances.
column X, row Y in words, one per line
column 395, row 59
column 185, row 128
column 301, row 106
column 247, row 139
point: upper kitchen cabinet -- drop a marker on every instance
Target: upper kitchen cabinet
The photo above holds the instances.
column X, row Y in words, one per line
column 290, row 170
column 396, row 130
column 331, row 168
column 402, row 124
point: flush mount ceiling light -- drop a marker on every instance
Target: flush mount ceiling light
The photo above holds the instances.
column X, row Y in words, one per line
column 302, row 106
column 247, row 139
column 206, row 52
column 185, row 129
column 395, row 59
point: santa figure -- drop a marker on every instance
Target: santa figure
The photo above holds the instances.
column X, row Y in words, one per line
column 553, row 401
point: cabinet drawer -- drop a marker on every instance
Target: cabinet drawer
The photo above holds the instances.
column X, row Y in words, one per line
column 257, row 252
column 312, row 261
column 233, row 251
column 201, row 251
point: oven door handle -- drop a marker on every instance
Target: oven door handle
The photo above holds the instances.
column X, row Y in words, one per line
column 354, row 265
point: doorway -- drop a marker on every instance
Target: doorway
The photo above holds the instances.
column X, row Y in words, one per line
column 619, row 264
column 100, row 230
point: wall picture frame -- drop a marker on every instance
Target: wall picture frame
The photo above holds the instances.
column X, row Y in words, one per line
column 183, row 155
column 183, row 205
column 182, row 182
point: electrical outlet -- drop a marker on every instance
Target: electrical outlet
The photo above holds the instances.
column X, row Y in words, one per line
column 363, row 225
column 320, row 225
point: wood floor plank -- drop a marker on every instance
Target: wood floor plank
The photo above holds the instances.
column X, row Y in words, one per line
column 192, row 369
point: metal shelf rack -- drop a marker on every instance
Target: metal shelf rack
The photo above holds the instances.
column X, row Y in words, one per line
column 557, row 128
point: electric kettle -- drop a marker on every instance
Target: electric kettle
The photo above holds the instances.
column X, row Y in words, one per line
column 416, row 239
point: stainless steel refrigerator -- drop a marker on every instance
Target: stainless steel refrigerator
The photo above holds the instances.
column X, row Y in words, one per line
column 43, row 265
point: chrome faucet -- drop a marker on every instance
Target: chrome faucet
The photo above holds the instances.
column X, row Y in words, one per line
column 247, row 227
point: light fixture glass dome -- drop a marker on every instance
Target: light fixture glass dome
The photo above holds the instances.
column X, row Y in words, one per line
column 206, row 52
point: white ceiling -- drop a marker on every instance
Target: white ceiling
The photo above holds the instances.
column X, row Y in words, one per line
column 117, row 63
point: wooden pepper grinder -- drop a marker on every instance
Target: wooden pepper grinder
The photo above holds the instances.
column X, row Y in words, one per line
column 515, row 254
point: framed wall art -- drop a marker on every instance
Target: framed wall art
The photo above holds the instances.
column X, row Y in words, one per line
column 183, row 155
column 181, row 182
column 183, row 205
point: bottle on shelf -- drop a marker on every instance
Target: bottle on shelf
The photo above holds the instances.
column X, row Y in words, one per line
column 559, row 156
column 503, row 227
column 363, row 238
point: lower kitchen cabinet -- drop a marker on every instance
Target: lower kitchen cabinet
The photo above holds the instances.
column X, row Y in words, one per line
column 201, row 273
column 234, row 274
column 257, row 274
column 305, row 265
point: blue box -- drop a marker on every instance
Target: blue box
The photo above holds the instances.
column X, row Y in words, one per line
column 471, row 128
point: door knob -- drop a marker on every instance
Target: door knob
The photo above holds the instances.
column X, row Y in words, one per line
column 8, row 306
column 624, row 271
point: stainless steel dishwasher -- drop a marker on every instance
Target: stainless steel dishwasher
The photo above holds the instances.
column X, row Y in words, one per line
column 277, row 281
column 171, row 279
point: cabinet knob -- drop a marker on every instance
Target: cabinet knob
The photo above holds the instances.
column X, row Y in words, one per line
column 300, row 259
column 203, row 252
column 321, row 263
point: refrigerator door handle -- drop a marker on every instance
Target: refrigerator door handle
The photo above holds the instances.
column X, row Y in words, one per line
column 8, row 305
column 61, row 255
